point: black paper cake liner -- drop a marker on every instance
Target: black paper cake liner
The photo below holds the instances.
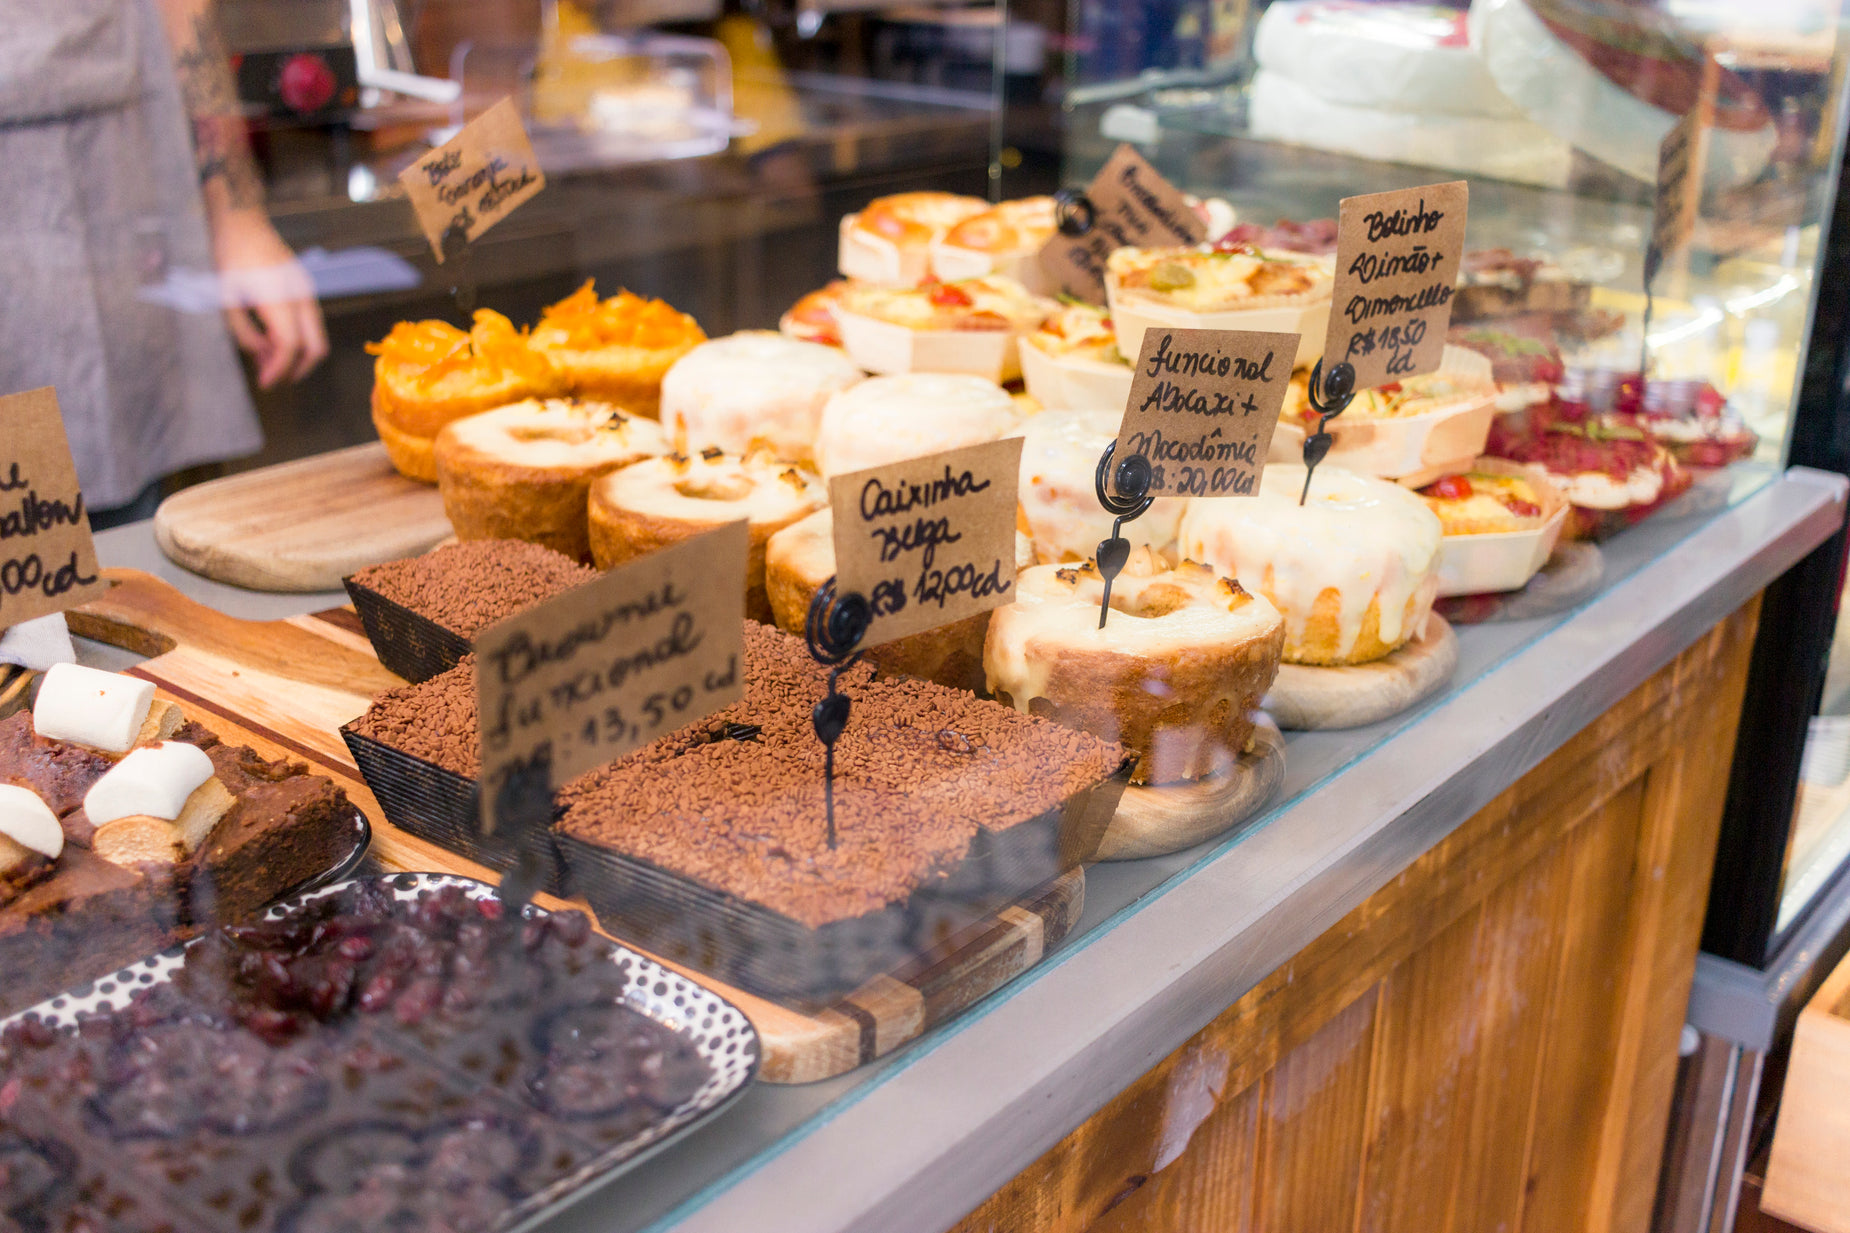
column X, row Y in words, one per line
column 406, row 642
column 753, row 947
column 443, row 807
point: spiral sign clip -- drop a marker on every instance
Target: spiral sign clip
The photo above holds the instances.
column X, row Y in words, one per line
column 1126, row 495
column 833, row 629
column 1330, row 396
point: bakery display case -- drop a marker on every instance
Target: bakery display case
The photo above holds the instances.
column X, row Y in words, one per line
column 1342, row 802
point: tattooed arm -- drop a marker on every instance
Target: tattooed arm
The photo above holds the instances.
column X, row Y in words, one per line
column 270, row 302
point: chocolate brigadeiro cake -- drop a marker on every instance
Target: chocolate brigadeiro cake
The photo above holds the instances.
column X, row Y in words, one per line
column 422, row 613
column 710, row 845
column 80, row 915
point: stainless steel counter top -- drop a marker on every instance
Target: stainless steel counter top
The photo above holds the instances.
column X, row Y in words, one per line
column 912, row 1143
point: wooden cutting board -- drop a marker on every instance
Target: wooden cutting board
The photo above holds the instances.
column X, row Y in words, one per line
column 301, row 526
column 1305, row 698
column 1157, row 820
column 286, row 687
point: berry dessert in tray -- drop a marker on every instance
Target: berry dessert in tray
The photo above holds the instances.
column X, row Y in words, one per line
column 389, row 1054
column 710, row 846
column 124, row 826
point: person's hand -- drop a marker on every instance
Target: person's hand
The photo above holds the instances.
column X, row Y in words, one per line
column 269, row 299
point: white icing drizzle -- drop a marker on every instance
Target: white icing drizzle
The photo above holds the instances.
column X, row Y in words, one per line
column 755, row 386
column 721, row 488
column 909, row 415
column 557, row 434
column 1059, row 458
column 1364, row 537
column 1055, row 614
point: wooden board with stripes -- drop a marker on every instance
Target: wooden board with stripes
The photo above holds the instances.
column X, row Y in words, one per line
column 286, row 687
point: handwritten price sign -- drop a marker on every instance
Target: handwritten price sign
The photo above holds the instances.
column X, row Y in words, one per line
column 1203, row 406
column 582, row 679
column 1131, row 204
column 931, row 540
column 1397, row 260
column 47, row 559
column 475, row 179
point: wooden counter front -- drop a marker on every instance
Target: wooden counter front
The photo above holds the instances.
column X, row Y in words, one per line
column 1488, row 1042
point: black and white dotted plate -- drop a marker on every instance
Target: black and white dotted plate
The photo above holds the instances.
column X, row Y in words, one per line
column 716, row 1028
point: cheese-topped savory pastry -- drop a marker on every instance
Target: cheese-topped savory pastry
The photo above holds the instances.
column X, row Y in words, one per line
column 1006, row 239
column 428, row 373
column 663, row 501
column 1225, row 286
column 1461, row 379
column 1058, row 495
column 1073, row 361
column 812, row 318
column 1080, row 331
column 1217, row 279
column 1176, row 674
column 972, row 325
column 525, row 471
column 890, row 239
column 1353, row 569
column 992, row 302
column 753, row 388
column 890, row 419
column 616, row 349
column 1481, row 503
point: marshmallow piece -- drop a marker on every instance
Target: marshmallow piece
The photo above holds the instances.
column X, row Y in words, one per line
column 154, row 781
column 29, row 821
column 104, row 710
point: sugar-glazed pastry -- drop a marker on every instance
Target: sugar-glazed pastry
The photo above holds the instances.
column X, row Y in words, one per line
column 750, row 389
column 525, row 471
column 428, row 373
column 663, row 501
column 1353, row 570
column 1006, row 239
column 973, row 325
column 1219, row 287
column 890, row 239
column 1058, row 493
column 801, row 557
column 615, row 349
column 891, row 419
column 1183, row 661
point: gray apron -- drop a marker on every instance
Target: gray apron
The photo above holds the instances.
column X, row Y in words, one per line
column 98, row 201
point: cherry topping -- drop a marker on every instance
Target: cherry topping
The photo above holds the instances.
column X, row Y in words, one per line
column 1450, row 488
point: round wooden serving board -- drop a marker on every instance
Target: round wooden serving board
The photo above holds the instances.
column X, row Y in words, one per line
column 1305, row 698
column 1158, row 820
column 301, row 526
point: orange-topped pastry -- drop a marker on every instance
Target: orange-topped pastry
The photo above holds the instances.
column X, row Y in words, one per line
column 889, row 240
column 429, row 373
column 616, row 349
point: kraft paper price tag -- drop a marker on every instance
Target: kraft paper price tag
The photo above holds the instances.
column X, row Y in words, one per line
column 1203, row 406
column 475, row 179
column 1397, row 260
column 47, row 559
column 1679, row 186
column 928, row 541
column 584, row 678
column 1133, row 206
